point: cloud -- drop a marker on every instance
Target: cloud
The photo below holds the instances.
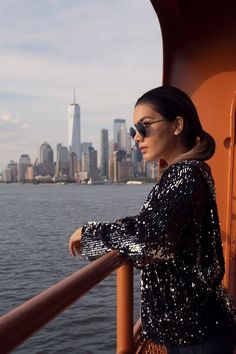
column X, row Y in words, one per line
column 7, row 121
column 109, row 50
column 5, row 118
column 25, row 126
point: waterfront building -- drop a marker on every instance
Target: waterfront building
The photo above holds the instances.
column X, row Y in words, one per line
column 110, row 151
column 114, row 167
column 46, row 165
column 10, row 173
column 30, row 173
column 62, row 163
column 137, row 159
column 24, row 161
column 129, row 144
column 84, row 162
column 45, row 153
column 88, row 166
column 35, row 164
column 104, row 162
column 46, row 169
column 73, row 166
column 92, row 164
column 74, row 129
column 6, row 176
column 150, row 170
column 125, row 171
column 83, row 177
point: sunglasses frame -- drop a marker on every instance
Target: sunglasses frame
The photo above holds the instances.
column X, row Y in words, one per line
column 141, row 128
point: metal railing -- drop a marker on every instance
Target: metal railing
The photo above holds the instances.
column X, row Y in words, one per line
column 23, row 321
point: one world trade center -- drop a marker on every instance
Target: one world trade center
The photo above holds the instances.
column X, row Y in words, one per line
column 74, row 129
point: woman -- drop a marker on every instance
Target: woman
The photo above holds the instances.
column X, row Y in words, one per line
column 175, row 239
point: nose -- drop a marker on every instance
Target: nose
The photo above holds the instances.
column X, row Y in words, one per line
column 138, row 137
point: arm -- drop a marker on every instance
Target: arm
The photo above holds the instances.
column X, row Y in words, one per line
column 155, row 234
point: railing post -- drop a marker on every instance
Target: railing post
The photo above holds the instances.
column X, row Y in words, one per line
column 125, row 309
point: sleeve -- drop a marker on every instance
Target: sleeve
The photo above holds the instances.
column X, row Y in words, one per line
column 155, row 234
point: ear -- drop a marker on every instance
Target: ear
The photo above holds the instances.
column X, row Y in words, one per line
column 179, row 125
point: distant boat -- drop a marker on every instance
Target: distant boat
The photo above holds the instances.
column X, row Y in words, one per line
column 134, row 182
column 97, row 181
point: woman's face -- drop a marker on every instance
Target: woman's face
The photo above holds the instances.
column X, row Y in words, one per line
column 161, row 140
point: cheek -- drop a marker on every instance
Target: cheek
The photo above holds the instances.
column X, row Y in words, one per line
column 156, row 138
column 161, row 142
column 164, row 137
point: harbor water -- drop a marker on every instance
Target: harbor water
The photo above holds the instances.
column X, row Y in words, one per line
column 36, row 222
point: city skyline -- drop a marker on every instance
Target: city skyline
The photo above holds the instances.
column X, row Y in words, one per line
column 119, row 163
column 84, row 147
column 49, row 48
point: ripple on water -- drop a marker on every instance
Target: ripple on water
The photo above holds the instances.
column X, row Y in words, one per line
column 36, row 222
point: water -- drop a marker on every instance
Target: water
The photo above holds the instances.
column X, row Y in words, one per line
column 36, row 221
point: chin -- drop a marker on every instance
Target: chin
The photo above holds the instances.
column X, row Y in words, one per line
column 150, row 158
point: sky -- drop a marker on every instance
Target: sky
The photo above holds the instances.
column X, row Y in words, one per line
column 109, row 50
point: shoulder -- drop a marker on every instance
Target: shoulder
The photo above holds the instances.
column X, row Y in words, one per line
column 187, row 171
column 186, row 166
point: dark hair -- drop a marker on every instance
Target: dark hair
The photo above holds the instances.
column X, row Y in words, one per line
column 172, row 102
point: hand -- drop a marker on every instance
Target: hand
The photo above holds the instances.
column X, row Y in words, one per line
column 74, row 243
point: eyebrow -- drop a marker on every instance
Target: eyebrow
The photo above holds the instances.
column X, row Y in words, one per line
column 140, row 120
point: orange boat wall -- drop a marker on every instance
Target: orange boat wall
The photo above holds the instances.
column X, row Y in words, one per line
column 199, row 54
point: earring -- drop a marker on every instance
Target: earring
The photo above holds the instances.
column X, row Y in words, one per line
column 176, row 133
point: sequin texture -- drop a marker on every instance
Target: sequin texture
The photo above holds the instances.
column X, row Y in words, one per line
column 175, row 241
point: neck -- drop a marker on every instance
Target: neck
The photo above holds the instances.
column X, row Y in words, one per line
column 178, row 151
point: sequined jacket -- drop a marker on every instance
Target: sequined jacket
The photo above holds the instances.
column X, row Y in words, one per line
column 176, row 242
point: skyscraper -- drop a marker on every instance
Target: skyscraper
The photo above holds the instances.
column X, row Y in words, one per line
column 46, row 153
column 10, row 173
column 74, row 129
column 120, row 134
column 24, row 161
column 63, row 163
column 104, row 153
column 46, row 165
column 92, row 164
column 73, row 166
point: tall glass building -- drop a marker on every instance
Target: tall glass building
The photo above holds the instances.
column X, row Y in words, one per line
column 63, row 163
column 46, row 165
column 45, row 153
column 104, row 153
column 120, row 134
column 74, row 129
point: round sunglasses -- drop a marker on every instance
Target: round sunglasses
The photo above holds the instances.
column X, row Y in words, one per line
column 141, row 128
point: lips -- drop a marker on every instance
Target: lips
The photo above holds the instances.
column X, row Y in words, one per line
column 142, row 149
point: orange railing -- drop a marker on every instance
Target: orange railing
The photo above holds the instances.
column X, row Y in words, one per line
column 22, row 322
column 125, row 309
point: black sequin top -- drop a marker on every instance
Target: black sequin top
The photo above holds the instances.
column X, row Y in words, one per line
column 176, row 242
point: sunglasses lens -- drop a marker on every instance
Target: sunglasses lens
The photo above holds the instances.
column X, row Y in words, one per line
column 141, row 129
column 132, row 132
